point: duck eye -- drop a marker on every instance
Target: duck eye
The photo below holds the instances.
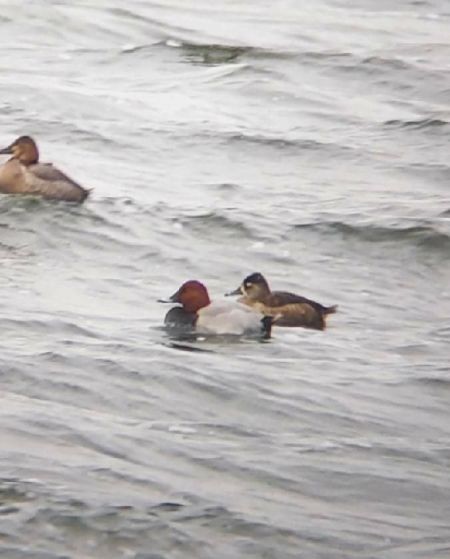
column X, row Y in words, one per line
column 248, row 284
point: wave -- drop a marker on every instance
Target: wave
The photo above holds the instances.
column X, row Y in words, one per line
column 214, row 222
column 63, row 327
column 212, row 54
column 209, row 54
column 418, row 124
column 278, row 142
column 425, row 236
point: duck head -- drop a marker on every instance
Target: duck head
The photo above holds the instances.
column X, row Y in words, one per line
column 254, row 286
column 192, row 295
column 24, row 149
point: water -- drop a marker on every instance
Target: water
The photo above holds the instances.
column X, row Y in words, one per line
column 308, row 141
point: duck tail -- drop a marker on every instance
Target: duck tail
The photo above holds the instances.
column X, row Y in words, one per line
column 267, row 322
column 331, row 310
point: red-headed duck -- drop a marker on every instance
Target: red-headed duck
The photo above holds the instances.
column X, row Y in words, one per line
column 199, row 314
column 23, row 174
column 287, row 308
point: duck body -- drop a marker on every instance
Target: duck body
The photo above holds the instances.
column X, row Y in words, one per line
column 287, row 309
column 198, row 314
column 24, row 174
column 224, row 318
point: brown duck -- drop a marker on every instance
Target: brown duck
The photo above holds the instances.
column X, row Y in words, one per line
column 287, row 308
column 23, row 174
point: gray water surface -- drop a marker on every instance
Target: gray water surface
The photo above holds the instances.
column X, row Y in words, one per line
column 308, row 141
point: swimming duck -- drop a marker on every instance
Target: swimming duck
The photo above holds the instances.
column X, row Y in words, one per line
column 287, row 308
column 23, row 174
column 198, row 314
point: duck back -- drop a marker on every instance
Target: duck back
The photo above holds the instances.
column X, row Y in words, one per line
column 279, row 298
column 49, row 182
column 289, row 309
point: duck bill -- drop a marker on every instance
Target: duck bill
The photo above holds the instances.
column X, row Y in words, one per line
column 172, row 299
column 8, row 150
column 237, row 291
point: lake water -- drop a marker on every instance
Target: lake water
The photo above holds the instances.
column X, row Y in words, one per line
column 308, row 141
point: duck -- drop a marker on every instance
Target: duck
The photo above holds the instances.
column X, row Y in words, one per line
column 287, row 309
column 24, row 174
column 198, row 314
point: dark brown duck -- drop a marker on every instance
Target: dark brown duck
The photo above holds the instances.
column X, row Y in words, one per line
column 23, row 174
column 288, row 309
